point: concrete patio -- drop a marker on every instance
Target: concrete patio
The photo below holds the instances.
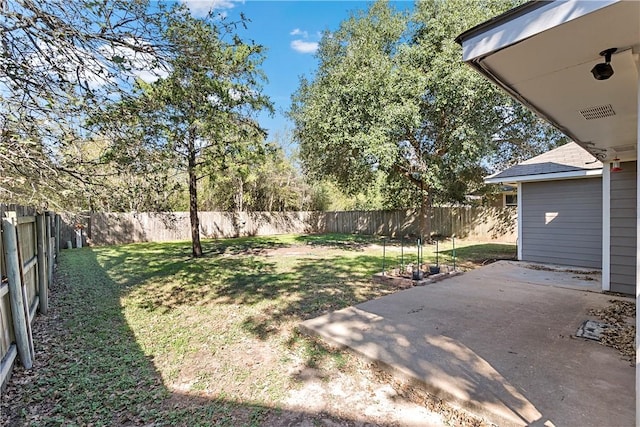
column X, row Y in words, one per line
column 498, row 341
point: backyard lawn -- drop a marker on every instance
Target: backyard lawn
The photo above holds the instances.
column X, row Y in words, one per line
column 143, row 334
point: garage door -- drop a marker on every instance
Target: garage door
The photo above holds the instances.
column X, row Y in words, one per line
column 562, row 222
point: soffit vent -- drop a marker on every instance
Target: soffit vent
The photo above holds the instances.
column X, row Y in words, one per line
column 599, row 112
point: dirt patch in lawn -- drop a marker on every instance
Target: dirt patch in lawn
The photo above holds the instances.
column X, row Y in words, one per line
column 296, row 251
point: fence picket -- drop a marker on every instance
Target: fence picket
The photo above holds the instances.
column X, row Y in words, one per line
column 7, row 363
column 23, row 286
column 16, row 296
column 465, row 222
column 43, row 282
column 50, row 244
column 24, row 247
column 57, row 234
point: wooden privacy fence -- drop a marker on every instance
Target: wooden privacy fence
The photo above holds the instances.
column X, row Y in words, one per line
column 27, row 258
column 477, row 223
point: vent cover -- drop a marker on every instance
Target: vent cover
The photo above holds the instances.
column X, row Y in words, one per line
column 599, row 112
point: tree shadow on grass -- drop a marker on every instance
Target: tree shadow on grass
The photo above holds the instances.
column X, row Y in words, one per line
column 133, row 264
column 243, row 245
column 310, row 287
column 313, row 288
column 232, row 273
column 481, row 254
column 340, row 241
column 285, row 290
column 258, row 245
column 89, row 368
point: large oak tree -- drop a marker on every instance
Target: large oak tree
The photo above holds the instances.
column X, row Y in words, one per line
column 391, row 95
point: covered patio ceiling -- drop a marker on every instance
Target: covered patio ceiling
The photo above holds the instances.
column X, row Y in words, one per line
column 542, row 54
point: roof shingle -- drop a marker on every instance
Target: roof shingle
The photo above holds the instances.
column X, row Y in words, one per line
column 567, row 158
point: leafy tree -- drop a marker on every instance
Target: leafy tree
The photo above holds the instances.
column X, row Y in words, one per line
column 133, row 179
column 200, row 116
column 392, row 95
column 59, row 60
column 271, row 184
column 277, row 186
column 328, row 196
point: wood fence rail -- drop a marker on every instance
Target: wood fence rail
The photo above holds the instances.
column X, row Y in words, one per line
column 28, row 253
column 486, row 224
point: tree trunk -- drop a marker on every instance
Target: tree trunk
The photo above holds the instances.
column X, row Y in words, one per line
column 425, row 216
column 240, row 196
column 196, row 247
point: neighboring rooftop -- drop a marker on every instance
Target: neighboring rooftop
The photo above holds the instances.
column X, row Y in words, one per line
column 569, row 160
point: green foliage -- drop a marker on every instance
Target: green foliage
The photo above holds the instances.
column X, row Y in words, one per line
column 344, row 111
column 203, row 108
column 391, row 94
column 156, row 83
column 328, row 196
column 61, row 60
column 200, row 117
column 271, row 184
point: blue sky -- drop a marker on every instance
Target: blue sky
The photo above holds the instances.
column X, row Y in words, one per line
column 290, row 30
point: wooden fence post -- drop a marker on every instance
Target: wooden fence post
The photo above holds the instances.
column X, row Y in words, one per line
column 49, row 251
column 43, row 282
column 15, row 291
column 57, row 227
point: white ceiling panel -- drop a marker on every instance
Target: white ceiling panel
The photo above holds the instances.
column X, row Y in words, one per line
column 550, row 71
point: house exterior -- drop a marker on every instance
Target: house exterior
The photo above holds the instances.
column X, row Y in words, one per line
column 576, row 64
column 544, row 54
column 559, row 208
column 506, row 196
column 573, row 212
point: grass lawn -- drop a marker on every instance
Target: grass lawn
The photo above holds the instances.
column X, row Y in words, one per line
column 143, row 334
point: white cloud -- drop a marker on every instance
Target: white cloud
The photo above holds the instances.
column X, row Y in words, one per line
column 203, row 7
column 302, row 46
column 150, row 76
column 299, row 32
column 214, row 100
column 138, row 64
column 235, row 94
column 141, row 64
column 76, row 64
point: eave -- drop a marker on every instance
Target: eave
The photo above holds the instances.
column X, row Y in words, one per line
column 541, row 54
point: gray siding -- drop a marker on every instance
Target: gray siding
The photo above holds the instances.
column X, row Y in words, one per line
column 562, row 222
column 623, row 229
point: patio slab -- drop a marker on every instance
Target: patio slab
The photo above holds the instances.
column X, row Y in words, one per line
column 495, row 342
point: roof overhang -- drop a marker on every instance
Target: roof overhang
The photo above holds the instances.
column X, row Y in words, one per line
column 541, row 53
column 592, row 173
